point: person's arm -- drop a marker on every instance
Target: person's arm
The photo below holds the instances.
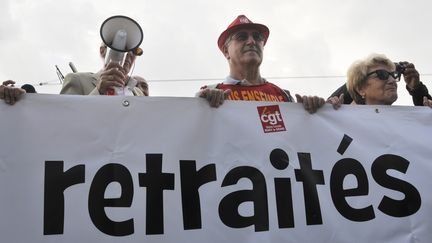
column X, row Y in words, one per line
column 347, row 99
column 310, row 103
column 111, row 76
column 427, row 102
column 418, row 93
column 9, row 93
column 214, row 96
column 288, row 95
column 415, row 87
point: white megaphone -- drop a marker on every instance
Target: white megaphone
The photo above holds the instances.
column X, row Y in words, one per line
column 120, row 34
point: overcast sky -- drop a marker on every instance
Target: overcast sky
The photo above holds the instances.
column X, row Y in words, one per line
column 307, row 38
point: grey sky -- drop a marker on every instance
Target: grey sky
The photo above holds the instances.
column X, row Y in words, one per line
column 307, row 38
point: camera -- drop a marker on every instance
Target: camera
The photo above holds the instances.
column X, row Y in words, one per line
column 400, row 67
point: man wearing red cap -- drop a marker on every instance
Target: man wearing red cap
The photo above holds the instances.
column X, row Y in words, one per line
column 242, row 44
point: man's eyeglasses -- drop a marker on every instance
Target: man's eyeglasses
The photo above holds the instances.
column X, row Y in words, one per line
column 243, row 36
column 384, row 75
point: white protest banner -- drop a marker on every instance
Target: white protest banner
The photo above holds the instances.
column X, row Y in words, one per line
column 134, row 169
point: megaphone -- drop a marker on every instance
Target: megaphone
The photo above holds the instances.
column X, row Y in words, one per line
column 120, row 34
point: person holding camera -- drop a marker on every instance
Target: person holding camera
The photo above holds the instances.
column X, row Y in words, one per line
column 418, row 91
column 373, row 81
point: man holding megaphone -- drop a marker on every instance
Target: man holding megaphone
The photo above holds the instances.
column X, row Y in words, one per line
column 121, row 38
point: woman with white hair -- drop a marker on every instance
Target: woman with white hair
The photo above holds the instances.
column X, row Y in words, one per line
column 373, row 81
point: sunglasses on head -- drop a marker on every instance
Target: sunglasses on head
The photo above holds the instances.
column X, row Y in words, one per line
column 384, row 75
column 242, row 36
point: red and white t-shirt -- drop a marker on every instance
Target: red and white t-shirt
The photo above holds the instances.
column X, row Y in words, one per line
column 261, row 92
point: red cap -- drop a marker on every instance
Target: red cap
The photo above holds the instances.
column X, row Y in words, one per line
column 242, row 22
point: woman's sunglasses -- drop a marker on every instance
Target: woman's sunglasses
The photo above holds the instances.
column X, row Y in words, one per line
column 384, row 75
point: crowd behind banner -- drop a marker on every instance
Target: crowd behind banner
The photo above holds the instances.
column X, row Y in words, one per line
column 372, row 80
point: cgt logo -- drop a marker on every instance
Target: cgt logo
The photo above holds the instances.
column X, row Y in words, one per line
column 271, row 118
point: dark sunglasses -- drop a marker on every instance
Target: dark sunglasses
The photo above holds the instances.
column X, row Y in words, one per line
column 384, row 75
column 243, row 36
